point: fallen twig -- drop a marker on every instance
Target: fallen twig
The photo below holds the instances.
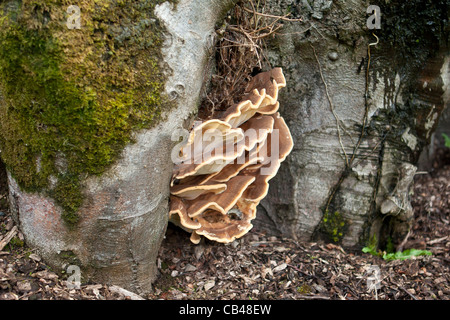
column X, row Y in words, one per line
column 303, row 273
column 437, row 240
column 409, row 293
column 314, row 297
column 122, row 291
column 8, row 237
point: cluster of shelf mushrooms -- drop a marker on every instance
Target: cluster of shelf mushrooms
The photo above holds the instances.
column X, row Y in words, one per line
column 226, row 164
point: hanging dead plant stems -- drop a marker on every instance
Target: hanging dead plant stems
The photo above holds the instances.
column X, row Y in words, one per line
column 368, row 61
column 284, row 18
column 350, row 163
column 366, row 104
column 240, row 53
column 268, row 29
column 338, row 121
column 250, row 34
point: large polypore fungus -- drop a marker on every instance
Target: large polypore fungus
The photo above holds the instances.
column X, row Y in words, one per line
column 226, row 164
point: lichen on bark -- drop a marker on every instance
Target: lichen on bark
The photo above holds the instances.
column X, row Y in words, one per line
column 71, row 98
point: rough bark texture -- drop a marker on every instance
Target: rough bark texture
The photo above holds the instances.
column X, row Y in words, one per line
column 315, row 194
column 123, row 216
column 381, row 122
column 437, row 140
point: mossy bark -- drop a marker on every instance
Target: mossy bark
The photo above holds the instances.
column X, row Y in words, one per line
column 72, row 97
column 86, row 119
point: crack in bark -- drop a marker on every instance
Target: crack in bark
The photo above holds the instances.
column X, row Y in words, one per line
column 373, row 207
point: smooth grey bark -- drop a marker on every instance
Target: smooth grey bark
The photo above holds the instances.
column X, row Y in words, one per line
column 370, row 197
column 125, row 215
column 125, row 212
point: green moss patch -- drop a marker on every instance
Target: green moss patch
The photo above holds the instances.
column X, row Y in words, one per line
column 333, row 226
column 70, row 98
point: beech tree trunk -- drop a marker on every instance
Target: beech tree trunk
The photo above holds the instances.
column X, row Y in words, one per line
column 115, row 233
column 359, row 118
column 361, row 104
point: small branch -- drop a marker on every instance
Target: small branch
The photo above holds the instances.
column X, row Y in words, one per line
column 8, row 237
column 437, row 240
column 125, row 292
column 303, row 273
column 284, row 18
column 409, row 293
column 313, row 297
column 272, row 31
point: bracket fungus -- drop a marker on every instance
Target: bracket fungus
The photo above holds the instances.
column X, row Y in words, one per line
column 226, row 164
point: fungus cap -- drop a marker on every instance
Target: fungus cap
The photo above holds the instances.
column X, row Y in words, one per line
column 216, row 194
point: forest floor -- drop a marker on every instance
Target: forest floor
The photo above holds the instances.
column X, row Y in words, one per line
column 262, row 267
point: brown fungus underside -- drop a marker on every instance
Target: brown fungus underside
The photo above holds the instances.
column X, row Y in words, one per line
column 226, row 164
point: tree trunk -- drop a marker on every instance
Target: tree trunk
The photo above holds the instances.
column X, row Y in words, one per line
column 88, row 110
column 361, row 104
column 110, row 217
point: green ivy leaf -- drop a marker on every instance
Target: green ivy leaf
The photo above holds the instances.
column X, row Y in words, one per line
column 447, row 140
column 407, row 254
column 370, row 250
